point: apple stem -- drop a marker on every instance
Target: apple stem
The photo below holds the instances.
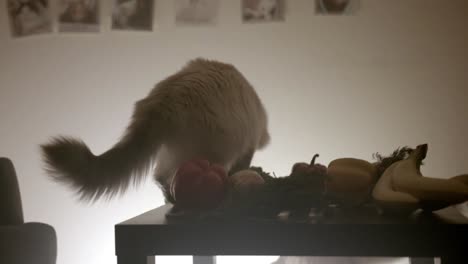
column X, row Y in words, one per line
column 313, row 159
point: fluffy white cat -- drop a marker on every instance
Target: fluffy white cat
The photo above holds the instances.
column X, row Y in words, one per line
column 207, row 109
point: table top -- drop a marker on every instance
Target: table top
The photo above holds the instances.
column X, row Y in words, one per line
column 360, row 232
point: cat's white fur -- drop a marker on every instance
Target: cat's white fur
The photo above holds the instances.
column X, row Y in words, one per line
column 206, row 110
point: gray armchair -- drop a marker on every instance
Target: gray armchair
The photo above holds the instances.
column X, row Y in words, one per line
column 21, row 242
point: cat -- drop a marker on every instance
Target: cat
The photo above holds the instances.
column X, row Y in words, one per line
column 207, row 109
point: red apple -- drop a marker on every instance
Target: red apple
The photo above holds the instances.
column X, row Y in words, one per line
column 199, row 185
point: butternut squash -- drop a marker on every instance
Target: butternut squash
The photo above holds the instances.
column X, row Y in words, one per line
column 350, row 180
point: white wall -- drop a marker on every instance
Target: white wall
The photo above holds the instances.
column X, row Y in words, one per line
column 395, row 74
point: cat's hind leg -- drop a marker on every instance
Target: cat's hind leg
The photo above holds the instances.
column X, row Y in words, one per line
column 166, row 167
column 243, row 163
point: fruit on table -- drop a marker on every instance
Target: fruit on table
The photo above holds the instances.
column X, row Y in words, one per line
column 402, row 184
column 308, row 181
column 350, row 180
column 390, row 200
column 306, row 168
column 199, row 185
column 245, row 179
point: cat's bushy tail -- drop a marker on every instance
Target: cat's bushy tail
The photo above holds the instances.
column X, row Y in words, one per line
column 70, row 161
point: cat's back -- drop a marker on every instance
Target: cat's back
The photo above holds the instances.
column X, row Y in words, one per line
column 211, row 109
column 202, row 64
column 205, row 75
column 210, row 84
column 210, row 91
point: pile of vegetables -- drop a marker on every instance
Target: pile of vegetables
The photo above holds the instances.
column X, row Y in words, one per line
column 393, row 183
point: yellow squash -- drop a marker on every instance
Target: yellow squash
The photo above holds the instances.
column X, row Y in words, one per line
column 350, row 180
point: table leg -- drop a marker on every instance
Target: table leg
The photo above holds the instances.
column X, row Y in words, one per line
column 204, row 260
column 121, row 259
column 151, row 260
column 454, row 259
column 422, row 261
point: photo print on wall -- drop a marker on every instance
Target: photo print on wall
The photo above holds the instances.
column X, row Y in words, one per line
column 78, row 15
column 133, row 15
column 336, row 7
column 263, row 10
column 196, row 12
column 29, row 17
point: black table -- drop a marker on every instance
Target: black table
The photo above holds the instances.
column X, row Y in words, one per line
column 361, row 232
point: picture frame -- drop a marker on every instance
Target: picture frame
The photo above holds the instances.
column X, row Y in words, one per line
column 78, row 16
column 336, row 7
column 196, row 12
column 29, row 17
column 133, row 15
column 255, row 11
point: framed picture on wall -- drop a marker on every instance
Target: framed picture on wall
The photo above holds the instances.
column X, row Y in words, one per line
column 336, row 7
column 132, row 15
column 263, row 10
column 29, row 17
column 78, row 15
column 196, row 12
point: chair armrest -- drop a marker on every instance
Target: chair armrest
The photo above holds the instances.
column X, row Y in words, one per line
column 28, row 243
column 11, row 211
